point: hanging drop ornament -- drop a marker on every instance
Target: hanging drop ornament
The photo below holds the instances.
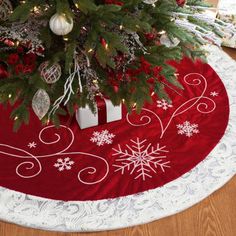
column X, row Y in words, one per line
column 50, row 74
column 170, row 43
column 5, row 9
column 60, row 24
column 41, row 103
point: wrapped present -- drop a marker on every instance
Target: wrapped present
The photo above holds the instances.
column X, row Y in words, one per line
column 227, row 13
column 105, row 112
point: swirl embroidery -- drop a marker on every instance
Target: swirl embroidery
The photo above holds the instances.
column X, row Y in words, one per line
column 33, row 161
column 202, row 106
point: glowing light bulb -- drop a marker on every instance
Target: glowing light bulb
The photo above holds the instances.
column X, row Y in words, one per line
column 162, row 32
column 36, row 9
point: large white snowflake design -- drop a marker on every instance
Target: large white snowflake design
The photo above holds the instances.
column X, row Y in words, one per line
column 103, row 137
column 187, row 129
column 64, row 164
column 164, row 104
column 141, row 159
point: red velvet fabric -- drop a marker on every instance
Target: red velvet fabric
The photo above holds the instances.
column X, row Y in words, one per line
column 129, row 157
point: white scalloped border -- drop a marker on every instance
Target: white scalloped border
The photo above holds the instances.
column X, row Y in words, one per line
column 80, row 216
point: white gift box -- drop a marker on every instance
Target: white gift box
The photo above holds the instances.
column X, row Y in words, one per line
column 227, row 13
column 86, row 118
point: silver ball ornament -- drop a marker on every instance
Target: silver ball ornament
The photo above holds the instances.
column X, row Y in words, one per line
column 50, row 74
column 151, row 2
column 60, row 24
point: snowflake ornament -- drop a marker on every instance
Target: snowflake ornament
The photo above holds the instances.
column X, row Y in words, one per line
column 187, row 129
column 103, row 137
column 64, row 164
column 141, row 159
column 164, row 104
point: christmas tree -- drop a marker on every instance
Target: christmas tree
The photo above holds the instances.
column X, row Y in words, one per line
column 57, row 55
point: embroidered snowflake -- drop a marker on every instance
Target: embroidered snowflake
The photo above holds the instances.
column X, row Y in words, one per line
column 214, row 94
column 32, row 145
column 164, row 104
column 141, row 159
column 103, row 137
column 64, row 164
column 187, row 129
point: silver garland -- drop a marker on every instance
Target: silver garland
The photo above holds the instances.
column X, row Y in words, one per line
column 131, row 41
column 89, row 78
column 26, row 33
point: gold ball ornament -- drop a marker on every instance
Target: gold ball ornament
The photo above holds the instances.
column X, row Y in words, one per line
column 60, row 24
column 5, row 9
column 50, row 74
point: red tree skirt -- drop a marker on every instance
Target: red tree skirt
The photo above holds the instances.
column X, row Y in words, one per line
column 138, row 153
